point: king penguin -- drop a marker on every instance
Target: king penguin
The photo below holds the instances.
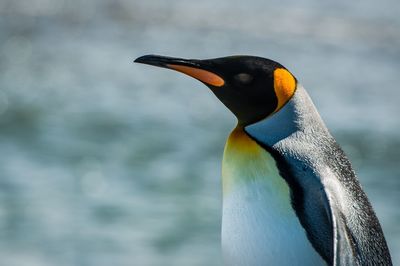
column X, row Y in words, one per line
column 290, row 195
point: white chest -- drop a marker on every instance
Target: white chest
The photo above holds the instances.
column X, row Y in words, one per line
column 258, row 229
column 259, row 225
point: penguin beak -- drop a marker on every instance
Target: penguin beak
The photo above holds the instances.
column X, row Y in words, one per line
column 197, row 69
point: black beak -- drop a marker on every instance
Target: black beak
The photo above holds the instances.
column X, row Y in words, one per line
column 198, row 69
column 164, row 61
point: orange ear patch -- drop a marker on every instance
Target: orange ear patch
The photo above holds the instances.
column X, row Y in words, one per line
column 284, row 85
column 200, row 74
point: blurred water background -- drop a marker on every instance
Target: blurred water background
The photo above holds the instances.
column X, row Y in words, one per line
column 104, row 162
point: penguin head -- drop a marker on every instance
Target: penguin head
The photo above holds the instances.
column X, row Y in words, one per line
column 253, row 88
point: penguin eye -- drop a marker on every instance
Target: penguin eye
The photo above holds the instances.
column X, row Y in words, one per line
column 243, row 78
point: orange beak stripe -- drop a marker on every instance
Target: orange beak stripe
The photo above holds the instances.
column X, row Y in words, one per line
column 200, row 74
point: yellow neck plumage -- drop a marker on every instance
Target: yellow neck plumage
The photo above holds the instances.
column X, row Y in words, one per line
column 245, row 161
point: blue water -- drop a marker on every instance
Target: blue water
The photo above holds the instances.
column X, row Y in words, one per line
column 105, row 162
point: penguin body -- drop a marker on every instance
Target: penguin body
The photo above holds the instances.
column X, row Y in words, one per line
column 290, row 195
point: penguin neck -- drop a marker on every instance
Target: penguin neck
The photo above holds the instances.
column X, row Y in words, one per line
column 297, row 115
column 246, row 161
